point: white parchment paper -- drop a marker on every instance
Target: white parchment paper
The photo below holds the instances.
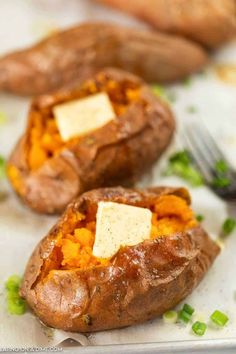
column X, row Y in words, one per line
column 21, row 229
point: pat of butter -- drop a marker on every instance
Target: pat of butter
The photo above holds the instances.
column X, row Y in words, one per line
column 120, row 225
column 79, row 117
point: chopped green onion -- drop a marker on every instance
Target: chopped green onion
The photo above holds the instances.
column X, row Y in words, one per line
column 15, row 304
column 184, row 316
column 2, row 167
column 187, row 82
column 161, row 92
column 199, row 328
column 158, row 90
column 219, row 318
column 3, row 117
column 221, row 182
column 170, row 316
column 229, row 226
column 180, row 164
column 189, row 309
column 200, row 217
column 191, row 109
column 221, row 166
column 13, row 283
column 181, row 156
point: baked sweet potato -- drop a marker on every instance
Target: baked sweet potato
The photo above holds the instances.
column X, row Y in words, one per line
column 48, row 173
column 69, row 288
column 55, row 61
column 209, row 22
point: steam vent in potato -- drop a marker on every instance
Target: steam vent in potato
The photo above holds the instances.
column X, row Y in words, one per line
column 117, row 257
column 106, row 131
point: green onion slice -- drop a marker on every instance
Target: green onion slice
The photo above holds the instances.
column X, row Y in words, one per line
column 228, row 226
column 189, row 309
column 184, row 316
column 170, row 316
column 219, row 318
column 199, row 328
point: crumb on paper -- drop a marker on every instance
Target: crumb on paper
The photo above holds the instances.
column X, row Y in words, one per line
column 48, row 331
column 226, row 72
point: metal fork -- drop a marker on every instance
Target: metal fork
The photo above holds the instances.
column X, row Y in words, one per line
column 207, row 155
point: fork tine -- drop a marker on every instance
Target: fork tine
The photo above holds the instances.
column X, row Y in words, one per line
column 209, row 143
column 200, row 146
column 198, row 158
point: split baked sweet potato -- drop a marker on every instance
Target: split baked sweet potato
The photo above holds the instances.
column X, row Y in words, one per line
column 69, row 288
column 73, row 53
column 209, row 22
column 48, row 173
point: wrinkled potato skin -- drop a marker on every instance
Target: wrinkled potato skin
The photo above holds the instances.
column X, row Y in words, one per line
column 57, row 60
column 142, row 281
column 118, row 153
column 209, row 22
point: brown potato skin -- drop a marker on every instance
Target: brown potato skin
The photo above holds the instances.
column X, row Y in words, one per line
column 57, row 60
column 142, row 282
column 118, row 153
column 209, row 22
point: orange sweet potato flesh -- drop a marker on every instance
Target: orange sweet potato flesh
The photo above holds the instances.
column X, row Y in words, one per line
column 209, row 22
column 80, row 51
column 171, row 214
column 72, row 290
column 48, row 173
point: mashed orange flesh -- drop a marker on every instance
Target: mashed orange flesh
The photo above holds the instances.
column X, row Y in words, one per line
column 171, row 214
column 44, row 138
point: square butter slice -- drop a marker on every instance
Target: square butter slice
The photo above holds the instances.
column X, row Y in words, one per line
column 120, row 225
column 79, row 117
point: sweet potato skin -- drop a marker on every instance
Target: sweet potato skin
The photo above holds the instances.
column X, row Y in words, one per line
column 142, row 281
column 118, row 153
column 75, row 52
column 209, row 22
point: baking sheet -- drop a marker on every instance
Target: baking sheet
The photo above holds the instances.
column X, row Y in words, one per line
column 21, row 229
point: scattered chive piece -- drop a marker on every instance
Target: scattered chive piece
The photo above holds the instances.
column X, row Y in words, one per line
column 221, row 166
column 180, row 164
column 15, row 304
column 170, row 316
column 200, row 217
column 3, row 117
column 187, row 82
column 160, row 91
column 219, row 318
column 13, row 283
column 221, row 182
column 184, row 316
column 199, row 328
column 189, row 309
column 191, row 109
column 181, row 156
column 2, row 167
column 228, row 226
